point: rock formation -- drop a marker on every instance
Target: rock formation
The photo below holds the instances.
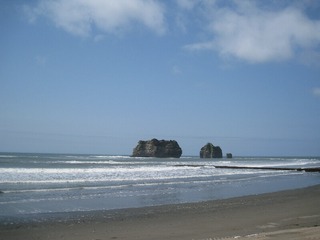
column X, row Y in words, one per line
column 157, row 148
column 229, row 155
column 210, row 151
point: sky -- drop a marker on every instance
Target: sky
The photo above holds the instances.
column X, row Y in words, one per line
column 97, row 76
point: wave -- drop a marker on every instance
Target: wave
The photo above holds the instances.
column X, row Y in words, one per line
column 8, row 156
column 95, row 156
column 25, row 176
column 98, row 180
column 124, row 187
column 140, row 180
column 100, row 162
column 91, row 169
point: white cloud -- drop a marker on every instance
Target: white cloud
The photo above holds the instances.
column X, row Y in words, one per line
column 256, row 35
column 79, row 17
column 316, row 92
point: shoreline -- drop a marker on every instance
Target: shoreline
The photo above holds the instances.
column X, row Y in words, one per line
column 290, row 212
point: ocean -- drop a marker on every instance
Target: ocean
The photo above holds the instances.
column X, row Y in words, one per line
column 64, row 183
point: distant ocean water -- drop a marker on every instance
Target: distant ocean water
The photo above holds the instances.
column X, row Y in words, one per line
column 52, row 183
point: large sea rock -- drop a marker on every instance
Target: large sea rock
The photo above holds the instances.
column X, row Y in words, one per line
column 210, row 151
column 157, row 148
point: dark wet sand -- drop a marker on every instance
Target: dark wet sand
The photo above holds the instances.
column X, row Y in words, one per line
column 292, row 214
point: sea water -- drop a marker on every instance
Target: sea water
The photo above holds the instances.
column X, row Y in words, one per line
column 62, row 183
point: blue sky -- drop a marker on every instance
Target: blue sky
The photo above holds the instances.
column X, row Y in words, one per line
column 80, row 76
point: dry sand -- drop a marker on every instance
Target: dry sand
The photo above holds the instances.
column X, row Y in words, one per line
column 293, row 214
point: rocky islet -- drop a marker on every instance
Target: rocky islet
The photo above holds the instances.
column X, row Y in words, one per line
column 171, row 149
column 157, row 148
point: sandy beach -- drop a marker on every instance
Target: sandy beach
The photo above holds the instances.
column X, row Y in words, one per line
column 292, row 214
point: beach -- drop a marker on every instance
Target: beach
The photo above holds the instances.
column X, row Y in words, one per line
column 154, row 119
column 290, row 214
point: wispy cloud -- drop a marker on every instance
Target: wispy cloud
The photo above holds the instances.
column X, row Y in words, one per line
column 41, row 60
column 187, row 4
column 176, row 70
column 253, row 31
column 246, row 31
column 80, row 17
column 316, row 91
